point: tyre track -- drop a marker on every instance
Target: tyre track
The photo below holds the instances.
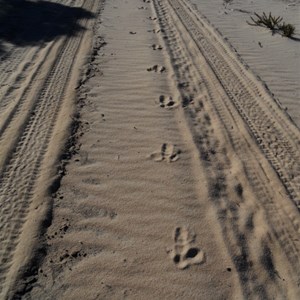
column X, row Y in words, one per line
column 24, row 80
column 11, row 72
column 9, row 63
column 19, row 75
column 10, row 115
column 204, row 98
column 277, row 138
column 17, row 181
column 14, row 73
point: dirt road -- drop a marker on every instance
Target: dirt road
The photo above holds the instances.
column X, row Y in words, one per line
column 185, row 178
column 37, row 90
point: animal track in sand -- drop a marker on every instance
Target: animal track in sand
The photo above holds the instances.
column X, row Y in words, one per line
column 184, row 253
column 183, row 85
column 167, row 152
column 60, row 232
column 156, row 47
column 93, row 211
column 91, row 181
column 157, row 30
column 157, row 68
column 167, row 102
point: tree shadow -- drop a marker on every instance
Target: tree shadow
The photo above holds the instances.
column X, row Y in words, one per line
column 30, row 23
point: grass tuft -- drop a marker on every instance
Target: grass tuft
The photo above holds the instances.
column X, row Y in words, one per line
column 288, row 30
column 273, row 23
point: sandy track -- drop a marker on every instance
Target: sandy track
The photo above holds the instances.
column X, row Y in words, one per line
column 259, row 49
column 216, row 87
column 187, row 178
column 28, row 117
column 276, row 136
column 235, row 180
column 16, row 64
column 128, row 207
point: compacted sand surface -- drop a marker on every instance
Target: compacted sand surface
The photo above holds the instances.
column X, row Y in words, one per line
column 141, row 159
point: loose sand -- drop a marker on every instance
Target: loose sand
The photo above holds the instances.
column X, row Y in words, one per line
column 181, row 173
column 274, row 59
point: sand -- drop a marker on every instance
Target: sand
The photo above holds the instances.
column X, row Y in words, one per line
column 142, row 159
column 273, row 59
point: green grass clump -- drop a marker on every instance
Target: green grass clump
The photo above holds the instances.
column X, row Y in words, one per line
column 273, row 23
column 288, row 30
column 266, row 21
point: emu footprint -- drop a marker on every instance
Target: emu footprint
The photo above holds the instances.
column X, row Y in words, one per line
column 156, row 47
column 184, row 253
column 157, row 30
column 167, row 152
column 157, row 68
column 167, row 102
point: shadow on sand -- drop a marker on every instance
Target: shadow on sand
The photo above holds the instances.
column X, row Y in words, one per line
column 32, row 22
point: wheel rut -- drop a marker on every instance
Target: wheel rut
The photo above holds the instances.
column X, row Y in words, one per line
column 14, row 71
column 277, row 137
column 227, row 108
column 24, row 159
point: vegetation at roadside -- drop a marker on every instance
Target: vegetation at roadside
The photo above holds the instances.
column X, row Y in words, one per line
column 287, row 29
column 273, row 23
